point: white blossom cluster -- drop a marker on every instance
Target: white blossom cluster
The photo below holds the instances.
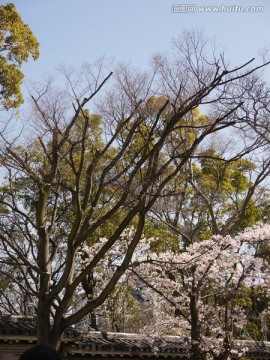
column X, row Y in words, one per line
column 196, row 288
column 200, row 286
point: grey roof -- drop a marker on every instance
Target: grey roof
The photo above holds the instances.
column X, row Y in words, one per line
column 94, row 343
column 12, row 325
column 99, row 344
column 128, row 345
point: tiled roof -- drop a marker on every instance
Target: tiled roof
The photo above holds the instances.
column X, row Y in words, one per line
column 12, row 325
column 99, row 344
column 96, row 343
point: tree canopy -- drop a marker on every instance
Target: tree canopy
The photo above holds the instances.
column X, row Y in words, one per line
column 17, row 43
column 104, row 153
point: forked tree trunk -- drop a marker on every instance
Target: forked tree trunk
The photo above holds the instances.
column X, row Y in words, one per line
column 47, row 333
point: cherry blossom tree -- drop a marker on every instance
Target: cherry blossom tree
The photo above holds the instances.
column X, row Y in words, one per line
column 196, row 292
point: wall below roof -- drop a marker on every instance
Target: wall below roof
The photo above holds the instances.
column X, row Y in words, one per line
column 11, row 351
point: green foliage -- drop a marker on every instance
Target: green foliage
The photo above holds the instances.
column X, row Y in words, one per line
column 226, row 185
column 255, row 301
column 252, row 215
column 125, row 314
column 221, row 175
column 164, row 238
column 17, row 43
column 253, row 331
column 212, row 195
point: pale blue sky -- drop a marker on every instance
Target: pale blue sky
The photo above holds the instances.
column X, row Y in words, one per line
column 79, row 31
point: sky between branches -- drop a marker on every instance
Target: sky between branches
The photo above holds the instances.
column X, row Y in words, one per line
column 76, row 32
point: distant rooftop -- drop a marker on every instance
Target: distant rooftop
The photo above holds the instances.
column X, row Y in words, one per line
column 21, row 331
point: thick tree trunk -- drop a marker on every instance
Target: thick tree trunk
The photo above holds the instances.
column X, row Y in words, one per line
column 44, row 264
column 197, row 353
column 48, row 333
column 43, row 325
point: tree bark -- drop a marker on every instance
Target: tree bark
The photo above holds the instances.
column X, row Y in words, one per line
column 197, row 353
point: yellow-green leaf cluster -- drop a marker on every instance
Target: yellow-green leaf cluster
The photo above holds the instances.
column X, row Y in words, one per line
column 17, row 43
